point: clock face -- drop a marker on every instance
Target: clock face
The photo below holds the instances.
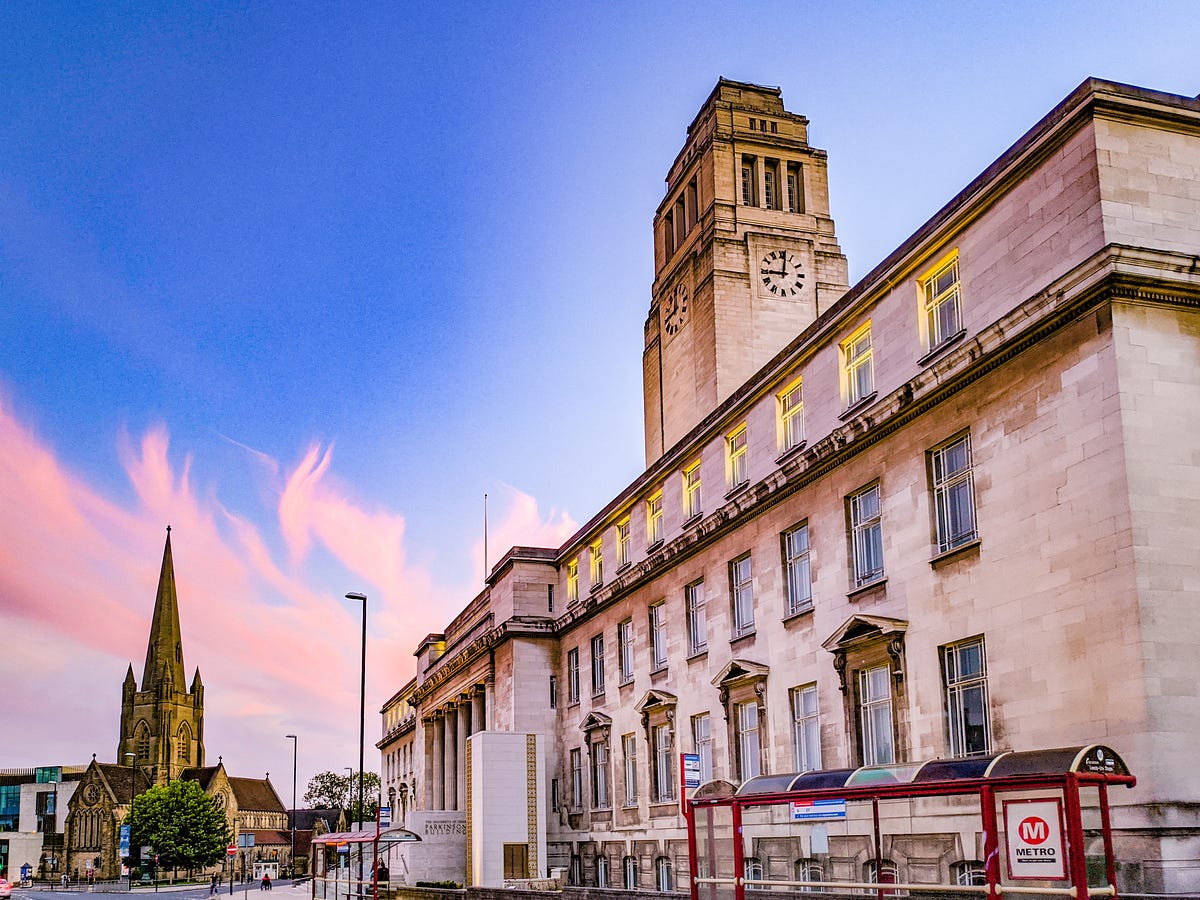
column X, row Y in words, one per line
column 675, row 309
column 781, row 273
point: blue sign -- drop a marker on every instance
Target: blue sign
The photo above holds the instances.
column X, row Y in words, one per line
column 125, row 842
column 808, row 810
column 691, row 770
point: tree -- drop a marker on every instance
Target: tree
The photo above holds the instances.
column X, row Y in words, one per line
column 328, row 790
column 185, row 826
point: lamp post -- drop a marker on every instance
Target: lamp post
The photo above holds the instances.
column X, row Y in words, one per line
column 362, row 697
column 129, row 864
column 292, row 859
column 55, row 854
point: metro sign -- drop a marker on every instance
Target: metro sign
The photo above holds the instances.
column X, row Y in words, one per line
column 1034, row 834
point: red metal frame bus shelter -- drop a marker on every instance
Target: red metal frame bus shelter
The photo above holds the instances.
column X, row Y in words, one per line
column 1064, row 770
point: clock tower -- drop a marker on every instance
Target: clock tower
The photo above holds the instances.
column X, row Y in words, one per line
column 745, row 256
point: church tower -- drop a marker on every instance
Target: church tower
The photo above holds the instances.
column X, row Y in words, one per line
column 162, row 723
column 745, row 256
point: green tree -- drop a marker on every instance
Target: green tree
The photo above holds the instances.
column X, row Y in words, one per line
column 185, row 826
column 329, row 790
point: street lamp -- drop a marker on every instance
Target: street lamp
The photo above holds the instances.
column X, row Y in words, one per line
column 129, row 857
column 362, row 698
column 292, row 859
column 55, row 854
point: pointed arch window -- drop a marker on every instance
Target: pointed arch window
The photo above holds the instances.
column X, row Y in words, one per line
column 183, row 748
column 141, row 742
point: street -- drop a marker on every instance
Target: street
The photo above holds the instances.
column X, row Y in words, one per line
column 291, row 891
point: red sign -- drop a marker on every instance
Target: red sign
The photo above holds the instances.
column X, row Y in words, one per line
column 1033, row 830
column 1034, row 835
column 231, row 850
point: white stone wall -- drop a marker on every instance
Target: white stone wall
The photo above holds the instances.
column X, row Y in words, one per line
column 507, row 791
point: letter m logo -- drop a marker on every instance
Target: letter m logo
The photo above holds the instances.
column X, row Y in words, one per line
column 1033, row 830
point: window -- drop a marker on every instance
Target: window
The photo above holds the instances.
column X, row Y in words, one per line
column 663, row 880
column 735, row 453
column 516, row 860
column 741, row 586
column 691, row 491
column 809, row 870
column 664, row 770
column 875, row 715
column 753, row 868
column 602, row 876
column 953, row 493
column 969, row 873
column 857, row 366
column 629, row 752
column 697, row 619
column 791, row 417
column 575, row 873
column 866, row 535
column 749, row 182
column 806, row 728
column 625, row 650
column 597, row 665
column 654, row 519
column 965, row 670
column 797, row 570
column 883, row 872
column 553, row 692
column 942, row 304
column 577, row 778
column 573, row 676
column 629, row 871
column 658, row 636
column 142, row 742
column 769, row 188
column 549, row 598
column 572, row 581
column 554, row 801
column 597, row 554
column 702, row 745
column 748, row 746
column 600, row 799
column 183, row 750
column 795, row 195
column 623, row 543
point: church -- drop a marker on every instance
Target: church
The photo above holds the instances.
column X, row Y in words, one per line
column 162, row 740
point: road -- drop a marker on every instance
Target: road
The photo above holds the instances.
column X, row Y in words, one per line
column 282, row 890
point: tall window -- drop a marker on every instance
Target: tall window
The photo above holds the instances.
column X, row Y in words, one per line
column 691, row 490
column 183, row 749
column 573, row 675
column 806, row 728
column 629, row 754
column 875, row 715
column 943, row 312
column 597, row 665
column 753, row 869
column 749, row 182
column 748, row 748
column 625, row 650
column 629, row 872
column 809, row 870
column 741, row 586
column 953, row 493
column 664, row 881
column 735, row 454
column 142, row 742
column 664, row 770
column 791, row 416
column 577, row 778
column 572, row 581
column 597, row 555
column 797, row 571
column 600, row 799
column 549, row 598
column 858, row 366
column 866, row 535
column 964, row 667
column 623, row 533
column 553, row 692
column 654, row 518
column 697, row 619
column 658, row 636
column 769, row 197
column 702, row 745
column 794, row 195
column 602, row 876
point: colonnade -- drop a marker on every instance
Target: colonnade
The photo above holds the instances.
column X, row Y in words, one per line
column 447, row 729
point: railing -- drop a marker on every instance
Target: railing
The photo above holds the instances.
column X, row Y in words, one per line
column 892, row 888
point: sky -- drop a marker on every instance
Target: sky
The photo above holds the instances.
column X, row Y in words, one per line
column 306, row 281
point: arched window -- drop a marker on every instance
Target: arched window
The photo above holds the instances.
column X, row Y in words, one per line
column 183, row 749
column 808, row 870
column 575, row 875
column 629, row 871
column 141, row 742
column 753, row 871
column 882, row 873
column 664, row 879
column 969, row 872
column 602, row 879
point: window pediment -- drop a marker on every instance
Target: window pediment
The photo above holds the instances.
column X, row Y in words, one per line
column 858, row 630
column 656, row 700
column 594, row 721
column 737, row 671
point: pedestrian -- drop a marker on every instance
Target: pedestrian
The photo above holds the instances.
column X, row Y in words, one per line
column 266, row 882
column 212, row 884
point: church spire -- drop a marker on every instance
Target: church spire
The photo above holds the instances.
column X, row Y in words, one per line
column 164, row 651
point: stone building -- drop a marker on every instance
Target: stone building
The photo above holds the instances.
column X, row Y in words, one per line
column 949, row 510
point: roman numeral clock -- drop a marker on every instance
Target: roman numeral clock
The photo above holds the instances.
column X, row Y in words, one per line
column 781, row 273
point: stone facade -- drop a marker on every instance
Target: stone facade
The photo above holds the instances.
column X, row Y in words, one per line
column 950, row 510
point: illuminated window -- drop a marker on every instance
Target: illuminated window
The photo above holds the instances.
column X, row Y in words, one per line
column 572, row 581
column 573, row 675
column 875, row 716
column 629, row 751
column 702, row 745
column 735, row 456
column 797, row 570
column 658, row 636
column 597, row 665
column 625, row 650
column 654, row 518
column 953, row 493
column 691, row 491
column 664, row 763
column 693, row 595
column 741, row 588
column 623, row 533
column 858, row 366
column 749, row 757
column 964, row 667
column 942, row 304
column 597, row 556
column 791, row 417
column 806, row 728
column 866, row 535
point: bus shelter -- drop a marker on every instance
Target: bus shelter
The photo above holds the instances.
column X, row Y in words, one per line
column 1014, row 823
column 353, row 865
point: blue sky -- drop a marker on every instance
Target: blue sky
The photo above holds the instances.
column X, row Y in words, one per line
column 294, row 275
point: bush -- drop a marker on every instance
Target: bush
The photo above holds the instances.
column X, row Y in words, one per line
column 440, row 884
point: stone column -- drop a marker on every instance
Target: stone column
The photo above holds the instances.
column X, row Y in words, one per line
column 450, row 766
column 489, row 702
column 477, row 704
column 461, row 757
column 433, row 788
column 465, row 704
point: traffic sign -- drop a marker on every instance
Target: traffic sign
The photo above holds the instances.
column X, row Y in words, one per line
column 231, row 850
